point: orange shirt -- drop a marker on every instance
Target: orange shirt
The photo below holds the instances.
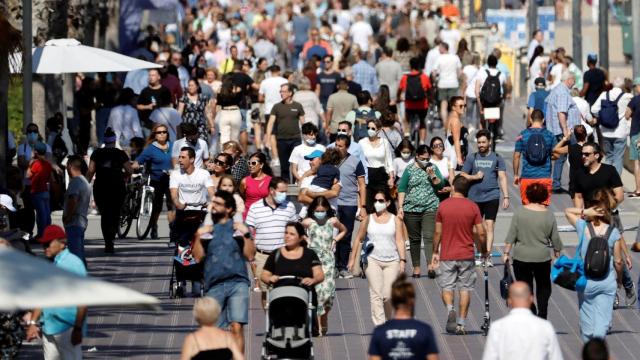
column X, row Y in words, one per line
column 450, row 10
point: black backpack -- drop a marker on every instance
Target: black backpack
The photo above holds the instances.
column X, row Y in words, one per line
column 598, row 257
column 609, row 112
column 491, row 91
column 59, row 149
column 415, row 91
column 536, row 151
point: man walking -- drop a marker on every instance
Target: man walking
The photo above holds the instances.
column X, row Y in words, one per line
column 562, row 115
column 286, row 116
column 327, row 81
column 338, row 106
column 267, row 219
column 487, row 172
column 76, row 206
column 413, row 89
column 448, row 69
column 614, row 124
column 536, row 144
column 456, row 221
column 364, row 74
column 389, row 72
column 225, row 269
column 521, row 334
column 62, row 328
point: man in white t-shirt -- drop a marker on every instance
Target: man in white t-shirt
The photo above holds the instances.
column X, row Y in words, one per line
column 448, row 68
column 361, row 32
column 190, row 140
column 270, row 90
column 298, row 163
column 450, row 36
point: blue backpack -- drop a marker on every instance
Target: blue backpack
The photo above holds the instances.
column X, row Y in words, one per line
column 536, row 151
column 609, row 112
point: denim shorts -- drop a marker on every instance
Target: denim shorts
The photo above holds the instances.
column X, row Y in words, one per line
column 233, row 297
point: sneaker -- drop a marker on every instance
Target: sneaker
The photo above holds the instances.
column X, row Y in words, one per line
column 478, row 262
column 488, row 262
column 345, row 274
column 616, row 302
column 431, row 274
column 451, row 322
column 460, row 330
column 407, row 245
column 631, row 296
column 275, row 163
column 499, row 140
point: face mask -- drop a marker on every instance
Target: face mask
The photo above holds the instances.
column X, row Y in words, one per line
column 422, row 163
column 235, row 38
column 379, row 206
column 280, row 197
column 405, row 155
column 310, row 142
column 372, row 133
column 494, row 30
column 342, row 132
column 32, row 137
column 320, row 215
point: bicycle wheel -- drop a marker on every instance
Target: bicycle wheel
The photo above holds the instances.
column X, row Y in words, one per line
column 143, row 224
column 126, row 217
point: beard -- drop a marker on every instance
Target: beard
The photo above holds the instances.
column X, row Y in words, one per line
column 216, row 217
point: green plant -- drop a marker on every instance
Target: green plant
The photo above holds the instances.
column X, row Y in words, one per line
column 15, row 106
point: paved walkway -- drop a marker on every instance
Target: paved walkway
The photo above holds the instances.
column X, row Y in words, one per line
column 146, row 266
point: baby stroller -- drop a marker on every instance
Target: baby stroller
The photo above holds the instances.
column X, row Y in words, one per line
column 185, row 267
column 289, row 315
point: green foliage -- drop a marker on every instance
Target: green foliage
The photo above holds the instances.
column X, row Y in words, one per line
column 15, row 106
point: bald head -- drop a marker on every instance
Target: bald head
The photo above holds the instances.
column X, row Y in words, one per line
column 520, row 295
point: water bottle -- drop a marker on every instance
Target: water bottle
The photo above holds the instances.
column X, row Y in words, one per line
column 153, row 101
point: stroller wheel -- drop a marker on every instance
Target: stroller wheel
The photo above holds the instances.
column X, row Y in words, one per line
column 179, row 292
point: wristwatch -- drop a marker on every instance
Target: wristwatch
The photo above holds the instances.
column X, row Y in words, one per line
column 32, row 322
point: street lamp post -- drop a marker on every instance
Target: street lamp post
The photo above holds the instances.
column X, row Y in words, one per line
column 603, row 39
column 576, row 25
column 27, row 76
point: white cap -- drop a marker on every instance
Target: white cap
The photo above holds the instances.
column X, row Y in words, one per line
column 7, row 202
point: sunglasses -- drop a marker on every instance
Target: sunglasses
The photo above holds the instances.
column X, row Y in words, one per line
column 219, row 162
column 436, row 146
column 254, row 163
column 381, row 201
column 587, row 154
column 161, row 132
column 462, row 105
column 372, row 128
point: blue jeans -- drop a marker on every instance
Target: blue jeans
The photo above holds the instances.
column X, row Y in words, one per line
column 41, row 203
column 347, row 216
column 558, row 165
column 295, row 56
column 233, row 297
column 614, row 152
column 75, row 240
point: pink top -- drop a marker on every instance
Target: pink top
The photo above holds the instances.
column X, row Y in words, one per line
column 255, row 190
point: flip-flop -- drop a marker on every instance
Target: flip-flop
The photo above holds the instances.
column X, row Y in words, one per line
column 633, row 194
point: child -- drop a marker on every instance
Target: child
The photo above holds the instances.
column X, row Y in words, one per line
column 322, row 176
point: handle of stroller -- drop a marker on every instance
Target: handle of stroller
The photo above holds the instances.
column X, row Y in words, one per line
column 289, row 277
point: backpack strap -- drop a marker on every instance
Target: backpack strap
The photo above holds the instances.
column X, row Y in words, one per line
column 607, row 234
column 591, row 229
column 619, row 96
column 579, row 247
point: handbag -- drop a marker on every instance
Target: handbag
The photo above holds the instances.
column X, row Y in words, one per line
column 506, row 281
column 568, row 272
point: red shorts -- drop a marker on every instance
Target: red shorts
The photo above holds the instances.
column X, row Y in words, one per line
column 526, row 182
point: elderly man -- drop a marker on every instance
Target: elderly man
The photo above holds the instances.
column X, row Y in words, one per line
column 62, row 328
column 561, row 116
column 521, row 334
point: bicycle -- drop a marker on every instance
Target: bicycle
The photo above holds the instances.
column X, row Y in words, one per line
column 138, row 205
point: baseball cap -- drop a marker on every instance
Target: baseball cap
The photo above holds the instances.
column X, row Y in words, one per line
column 52, row 232
column 7, row 202
column 540, row 82
column 314, row 154
column 636, row 81
column 40, row 148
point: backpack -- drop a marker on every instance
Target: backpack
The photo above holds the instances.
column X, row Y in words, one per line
column 491, row 91
column 536, row 151
column 415, row 91
column 609, row 112
column 598, row 257
column 59, row 149
column 363, row 116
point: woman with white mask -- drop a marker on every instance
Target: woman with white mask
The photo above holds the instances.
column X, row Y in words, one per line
column 377, row 153
column 385, row 255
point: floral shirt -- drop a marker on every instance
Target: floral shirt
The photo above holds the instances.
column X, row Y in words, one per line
column 420, row 194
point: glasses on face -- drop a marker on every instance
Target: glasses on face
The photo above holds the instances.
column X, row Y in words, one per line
column 587, row 154
column 327, row 61
column 462, row 106
column 438, row 146
column 162, row 132
column 381, row 201
column 219, row 162
column 254, row 163
column 372, row 128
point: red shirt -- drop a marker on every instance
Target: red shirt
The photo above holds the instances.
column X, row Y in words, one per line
column 40, row 175
column 426, row 85
column 457, row 216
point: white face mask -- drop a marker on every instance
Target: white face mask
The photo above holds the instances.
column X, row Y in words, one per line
column 405, row 155
column 372, row 133
column 310, row 141
column 379, row 206
column 280, row 197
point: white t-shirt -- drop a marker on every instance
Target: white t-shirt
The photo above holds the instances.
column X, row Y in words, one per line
column 452, row 38
column 556, row 74
column 201, row 149
column 481, row 76
column 430, row 63
column 299, row 152
column 447, row 66
column 169, row 117
column 585, row 113
column 470, row 72
column 192, row 189
column 270, row 88
column 360, row 33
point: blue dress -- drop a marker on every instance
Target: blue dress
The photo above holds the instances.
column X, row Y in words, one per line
column 596, row 301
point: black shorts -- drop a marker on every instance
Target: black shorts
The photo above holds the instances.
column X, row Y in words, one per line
column 421, row 115
column 489, row 209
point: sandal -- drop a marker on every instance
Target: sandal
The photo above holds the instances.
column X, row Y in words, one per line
column 633, row 194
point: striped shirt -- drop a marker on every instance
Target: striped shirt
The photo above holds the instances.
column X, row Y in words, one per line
column 270, row 223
